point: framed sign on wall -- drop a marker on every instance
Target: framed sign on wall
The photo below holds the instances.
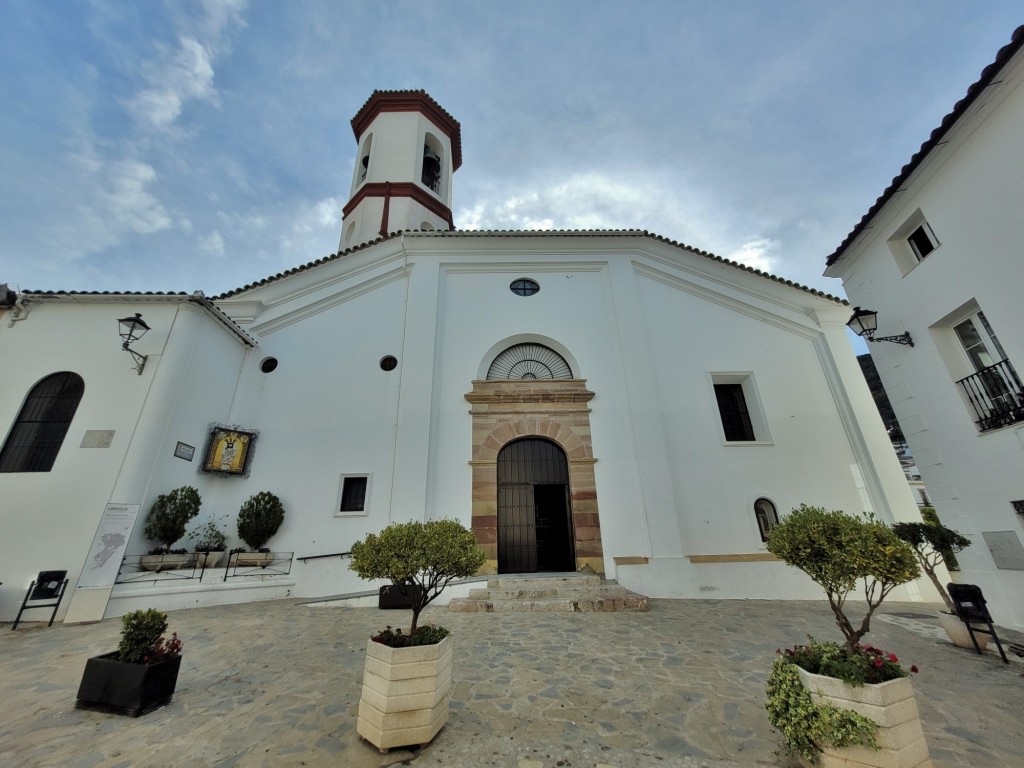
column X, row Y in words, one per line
column 229, row 450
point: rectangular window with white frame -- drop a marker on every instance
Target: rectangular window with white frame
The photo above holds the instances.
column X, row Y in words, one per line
column 739, row 408
column 353, row 496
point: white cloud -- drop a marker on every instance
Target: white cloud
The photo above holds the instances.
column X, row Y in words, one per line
column 181, row 77
column 755, row 253
column 213, row 243
column 312, row 225
column 129, row 203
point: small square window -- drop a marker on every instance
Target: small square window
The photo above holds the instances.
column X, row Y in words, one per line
column 353, row 494
column 921, row 242
column 912, row 241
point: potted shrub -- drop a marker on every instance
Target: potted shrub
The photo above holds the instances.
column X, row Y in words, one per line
column 934, row 544
column 140, row 675
column 258, row 519
column 210, row 543
column 420, row 559
column 817, row 694
column 166, row 523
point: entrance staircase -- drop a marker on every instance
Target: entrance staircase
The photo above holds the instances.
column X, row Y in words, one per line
column 566, row 592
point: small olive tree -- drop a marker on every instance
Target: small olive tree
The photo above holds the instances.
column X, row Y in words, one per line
column 426, row 555
column 837, row 550
column 933, row 544
column 170, row 513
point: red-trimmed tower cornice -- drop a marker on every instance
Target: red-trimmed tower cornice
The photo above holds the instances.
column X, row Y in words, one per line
column 410, row 101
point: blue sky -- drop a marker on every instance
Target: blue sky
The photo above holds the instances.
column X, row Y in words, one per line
column 203, row 145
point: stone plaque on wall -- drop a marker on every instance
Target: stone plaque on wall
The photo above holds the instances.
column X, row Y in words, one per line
column 97, row 438
column 1006, row 549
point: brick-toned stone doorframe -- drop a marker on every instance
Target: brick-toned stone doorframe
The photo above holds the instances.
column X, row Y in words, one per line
column 508, row 409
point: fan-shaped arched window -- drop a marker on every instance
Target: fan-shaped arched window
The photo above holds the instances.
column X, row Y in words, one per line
column 529, row 361
column 38, row 433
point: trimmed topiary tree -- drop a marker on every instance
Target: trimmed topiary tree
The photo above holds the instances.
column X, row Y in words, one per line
column 259, row 518
column 837, row 551
column 933, row 544
column 170, row 513
column 425, row 555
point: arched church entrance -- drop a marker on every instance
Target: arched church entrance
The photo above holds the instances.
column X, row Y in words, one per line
column 534, row 489
column 534, row 520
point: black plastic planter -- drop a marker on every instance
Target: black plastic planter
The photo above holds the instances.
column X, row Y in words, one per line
column 109, row 685
column 392, row 596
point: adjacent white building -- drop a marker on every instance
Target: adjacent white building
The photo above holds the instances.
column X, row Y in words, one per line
column 608, row 400
column 940, row 255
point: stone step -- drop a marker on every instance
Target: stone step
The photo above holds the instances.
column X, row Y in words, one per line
column 546, row 582
column 537, row 593
column 569, row 593
column 630, row 601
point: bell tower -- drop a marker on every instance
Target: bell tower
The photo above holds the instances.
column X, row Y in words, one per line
column 409, row 147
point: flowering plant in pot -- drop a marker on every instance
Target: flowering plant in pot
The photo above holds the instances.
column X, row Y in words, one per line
column 140, row 675
column 166, row 523
column 815, row 693
column 259, row 518
column 420, row 560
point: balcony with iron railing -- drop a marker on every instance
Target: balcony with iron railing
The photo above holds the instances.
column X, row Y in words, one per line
column 996, row 396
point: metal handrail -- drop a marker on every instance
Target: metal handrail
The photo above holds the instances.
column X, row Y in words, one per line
column 317, row 557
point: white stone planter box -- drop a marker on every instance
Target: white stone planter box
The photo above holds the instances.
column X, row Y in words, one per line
column 891, row 704
column 957, row 632
column 405, row 693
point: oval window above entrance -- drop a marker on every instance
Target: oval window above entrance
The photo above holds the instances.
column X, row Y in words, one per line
column 529, row 361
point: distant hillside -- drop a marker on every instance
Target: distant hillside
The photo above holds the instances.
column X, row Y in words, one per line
column 867, row 365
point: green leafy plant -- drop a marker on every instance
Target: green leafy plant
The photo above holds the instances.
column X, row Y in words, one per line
column 837, row 551
column 805, row 725
column 259, row 518
column 426, row 635
column 170, row 514
column 142, row 640
column 933, row 544
column 208, row 537
column 420, row 559
column 867, row 664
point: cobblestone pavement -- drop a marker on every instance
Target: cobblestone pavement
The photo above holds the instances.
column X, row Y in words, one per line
column 277, row 684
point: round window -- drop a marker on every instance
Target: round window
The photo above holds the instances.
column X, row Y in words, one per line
column 268, row 364
column 524, row 287
column 388, row 363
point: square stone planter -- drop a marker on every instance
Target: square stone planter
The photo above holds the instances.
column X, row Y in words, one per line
column 405, row 694
column 891, row 704
column 116, row 686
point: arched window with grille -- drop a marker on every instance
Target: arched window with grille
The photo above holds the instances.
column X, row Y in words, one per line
column 35, row 439
column 767, row 516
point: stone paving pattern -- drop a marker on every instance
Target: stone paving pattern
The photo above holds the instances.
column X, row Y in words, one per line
column 277, row 684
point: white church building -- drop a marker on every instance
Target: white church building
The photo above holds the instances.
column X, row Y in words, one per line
column 605, row 400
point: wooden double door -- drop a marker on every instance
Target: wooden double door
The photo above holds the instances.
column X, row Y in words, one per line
column 534, row 515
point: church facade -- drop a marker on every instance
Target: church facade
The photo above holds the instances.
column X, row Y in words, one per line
column 610, row 401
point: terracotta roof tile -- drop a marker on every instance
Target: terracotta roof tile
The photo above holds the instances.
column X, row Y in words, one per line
column 533, row 233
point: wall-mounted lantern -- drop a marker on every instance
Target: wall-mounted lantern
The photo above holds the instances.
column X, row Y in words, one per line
column 131, row 329
column 864, row 323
